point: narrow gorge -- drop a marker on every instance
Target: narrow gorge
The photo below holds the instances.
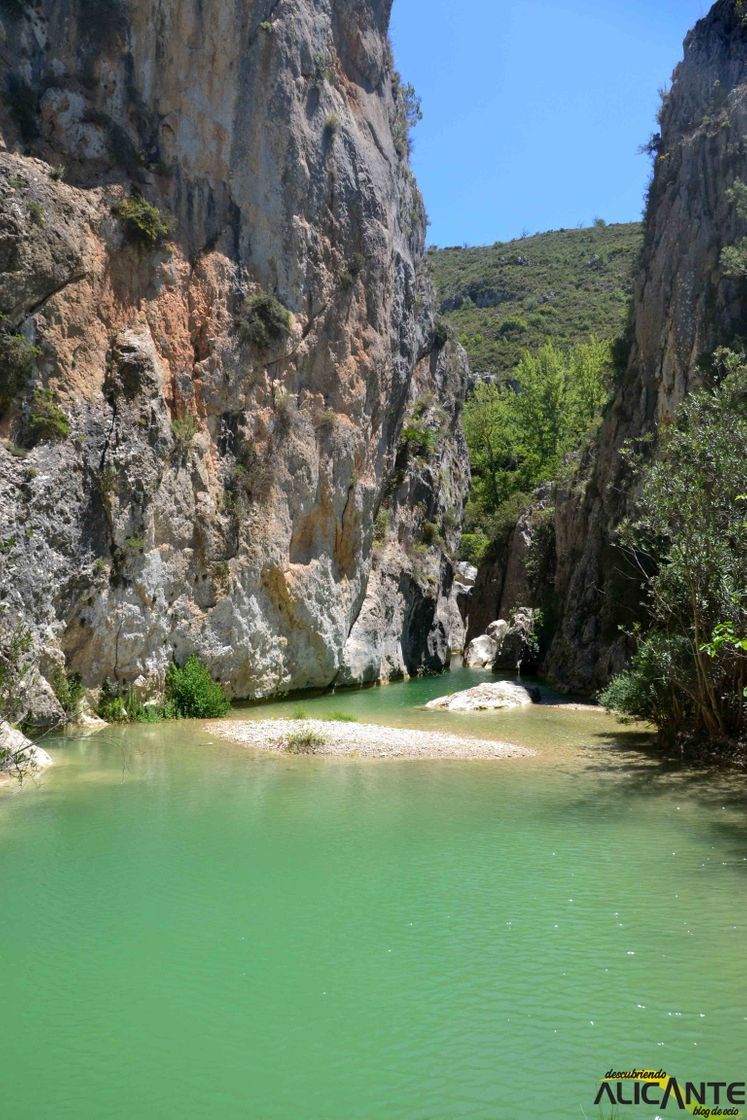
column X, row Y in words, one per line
column 563, row 555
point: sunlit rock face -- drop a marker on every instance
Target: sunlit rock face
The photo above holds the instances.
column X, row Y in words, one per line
column 684, row 307
column 253, row 502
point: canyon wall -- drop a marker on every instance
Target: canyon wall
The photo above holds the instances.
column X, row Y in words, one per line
column 209, row 482
column 684, row 307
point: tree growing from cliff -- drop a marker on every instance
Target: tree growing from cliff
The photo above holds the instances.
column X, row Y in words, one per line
column 734, row 257
column 689, row 538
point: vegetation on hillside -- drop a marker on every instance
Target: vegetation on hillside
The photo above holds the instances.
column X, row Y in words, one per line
column 688, row 538
column 519, row 433
column 515, row 295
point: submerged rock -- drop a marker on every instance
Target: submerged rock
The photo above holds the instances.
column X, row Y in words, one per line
column 485, row 697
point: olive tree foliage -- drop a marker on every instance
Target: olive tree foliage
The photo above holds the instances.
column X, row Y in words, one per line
column 688, row 535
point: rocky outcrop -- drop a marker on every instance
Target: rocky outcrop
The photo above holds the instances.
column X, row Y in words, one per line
column 208, row 480
column 684, row 308
column 487, row 697
column 19, row 756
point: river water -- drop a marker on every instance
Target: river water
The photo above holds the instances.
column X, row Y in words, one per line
column 191, row 930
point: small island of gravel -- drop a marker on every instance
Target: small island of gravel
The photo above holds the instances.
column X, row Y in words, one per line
column 361, row 740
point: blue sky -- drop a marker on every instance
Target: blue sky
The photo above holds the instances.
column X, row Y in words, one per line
column 533, row 110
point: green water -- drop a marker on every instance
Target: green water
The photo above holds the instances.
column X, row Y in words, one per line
column 190, row 930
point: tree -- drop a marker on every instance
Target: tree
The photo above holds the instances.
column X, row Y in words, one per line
column 518, row 435
column 688, row 536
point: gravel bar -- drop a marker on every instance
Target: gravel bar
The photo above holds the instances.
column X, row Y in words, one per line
column 363, row 739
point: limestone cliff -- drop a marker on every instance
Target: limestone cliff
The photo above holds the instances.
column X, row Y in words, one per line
column 684, row 308
column 233, row 488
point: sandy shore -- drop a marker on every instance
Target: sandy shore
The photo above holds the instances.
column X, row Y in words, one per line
column 363, row 739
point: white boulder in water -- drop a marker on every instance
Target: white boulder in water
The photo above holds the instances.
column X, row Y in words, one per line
column 486, row 697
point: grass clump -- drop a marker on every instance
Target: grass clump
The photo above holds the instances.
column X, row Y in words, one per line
column 144, row 223
column 37, row 215
column 341, row 717
column 264, row 321
column 192, row 693
column 47, row 422
column 184, row 430
column 303, row 742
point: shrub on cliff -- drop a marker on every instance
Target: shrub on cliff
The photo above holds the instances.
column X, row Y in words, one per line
column 191, row 693
column 734, row 257
column 688, row 537
column 263, row 321
column 144, row 223
column 47, row 422
column 18, row 357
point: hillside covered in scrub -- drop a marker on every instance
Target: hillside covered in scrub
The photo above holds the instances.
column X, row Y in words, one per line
column 564, row 284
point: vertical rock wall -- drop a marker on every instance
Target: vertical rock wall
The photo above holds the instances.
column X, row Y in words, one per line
column 256, row 504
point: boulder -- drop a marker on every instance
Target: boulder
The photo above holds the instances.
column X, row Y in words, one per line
column 480, row 653
column 497, row 630
column 486, row 697
column 18, row 755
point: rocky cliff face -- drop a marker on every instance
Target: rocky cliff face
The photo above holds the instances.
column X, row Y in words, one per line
column 227, row 486
column 684, row 308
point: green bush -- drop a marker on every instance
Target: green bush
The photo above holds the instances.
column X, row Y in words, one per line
column 734, row 257
column 440, row 333
column 184, row 430
column 18, row 358
column 192, row 692
column 68, row 688
column 418, row 440
column 37, row 215
column 264, row 321
column 302, row 742
column 16, row 661
column 144, row 223
column 381, row 526
column 646, row 689
column 688, row 536
column 473, row 547
column 47, row 422
column 111, row 704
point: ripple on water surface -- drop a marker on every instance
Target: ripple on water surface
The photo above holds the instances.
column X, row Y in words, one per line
column 190, row 931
